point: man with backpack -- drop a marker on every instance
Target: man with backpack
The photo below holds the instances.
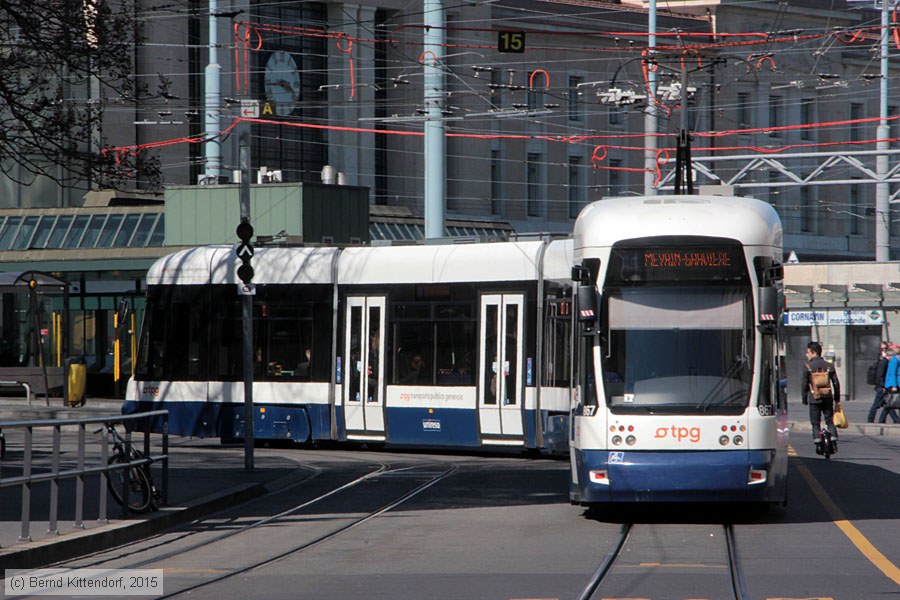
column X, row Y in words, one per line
column 821, row 389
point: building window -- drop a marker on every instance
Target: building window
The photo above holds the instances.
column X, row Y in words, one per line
column 496, row 185
column 574, row 103
column 744, row 112
column 615, row 179
column 807, row 117
column 856, row 113
column 774, row 192
column 497, row 88
column 806, row 211
column 615, row 115
column 534, row 192
column 535, row 90
column 854, row 210
column 575, row 187
column 776, row 114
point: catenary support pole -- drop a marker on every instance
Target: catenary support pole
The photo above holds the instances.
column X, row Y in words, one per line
column 883, row 132
column 651, row 116
column 435, row 147
column 213, row 73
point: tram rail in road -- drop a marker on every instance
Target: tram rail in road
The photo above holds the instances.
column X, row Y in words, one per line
column 420, row 477
column 738, row 588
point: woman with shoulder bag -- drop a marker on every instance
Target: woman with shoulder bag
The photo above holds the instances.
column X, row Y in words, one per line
column 891, row 385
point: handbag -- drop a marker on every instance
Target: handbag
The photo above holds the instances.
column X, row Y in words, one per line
column 892, row 401
column 840, row 419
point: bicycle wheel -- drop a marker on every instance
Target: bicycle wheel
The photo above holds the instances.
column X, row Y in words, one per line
column 140, row 492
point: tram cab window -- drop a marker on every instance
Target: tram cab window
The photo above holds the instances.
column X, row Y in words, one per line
column 678, row 348
column 175, row 335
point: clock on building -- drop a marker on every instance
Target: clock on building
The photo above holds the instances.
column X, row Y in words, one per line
column 282, row 82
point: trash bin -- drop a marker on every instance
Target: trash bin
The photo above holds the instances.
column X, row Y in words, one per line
column 77, row 380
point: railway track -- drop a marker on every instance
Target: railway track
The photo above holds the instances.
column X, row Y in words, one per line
column 397, row 484
column 639, row 572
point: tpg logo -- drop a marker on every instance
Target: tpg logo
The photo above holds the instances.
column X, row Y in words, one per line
column 679, row 433
column 150, row 390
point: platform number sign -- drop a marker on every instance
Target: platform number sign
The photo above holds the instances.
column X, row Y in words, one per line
column 511, row 41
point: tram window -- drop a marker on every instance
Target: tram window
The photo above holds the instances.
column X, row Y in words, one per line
column 455, row 353
column 412, row 339
column 412, row 310
column 768, row 381
column 557, row 348
column 456, row 311
column 588, row 390
column 442, row 334
column 284, row 337
column 226, row 335
column 175, row 347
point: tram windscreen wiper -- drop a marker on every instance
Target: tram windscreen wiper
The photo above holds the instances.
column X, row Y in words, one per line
column 727, row 377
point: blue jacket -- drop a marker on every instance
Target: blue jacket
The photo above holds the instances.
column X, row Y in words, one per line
column 892, row 375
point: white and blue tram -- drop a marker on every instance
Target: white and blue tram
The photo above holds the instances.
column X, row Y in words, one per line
column 453, row 345
column 679, row 307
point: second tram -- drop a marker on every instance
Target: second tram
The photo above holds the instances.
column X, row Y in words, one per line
column 677, row 370
column 444, row 345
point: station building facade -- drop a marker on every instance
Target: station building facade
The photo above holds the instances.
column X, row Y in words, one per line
column 849, row 307
column 530, row 140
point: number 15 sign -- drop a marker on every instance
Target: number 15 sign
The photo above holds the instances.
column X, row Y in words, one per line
column 511, row 41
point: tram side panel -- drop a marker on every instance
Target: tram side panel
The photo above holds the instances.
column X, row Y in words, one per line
column 191, row 363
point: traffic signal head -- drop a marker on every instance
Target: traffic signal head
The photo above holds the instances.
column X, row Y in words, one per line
column 244, row 231
column 245, row 272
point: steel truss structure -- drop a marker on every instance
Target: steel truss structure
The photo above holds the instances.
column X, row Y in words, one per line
column 738, row 170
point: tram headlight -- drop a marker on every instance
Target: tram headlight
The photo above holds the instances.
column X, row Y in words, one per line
column 630, row 440
column 723, row 440
column 617, row 440
column 738, row 440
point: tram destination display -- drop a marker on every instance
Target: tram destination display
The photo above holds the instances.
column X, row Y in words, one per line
column 678, row 263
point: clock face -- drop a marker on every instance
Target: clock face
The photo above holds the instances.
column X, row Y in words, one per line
column 282, row 82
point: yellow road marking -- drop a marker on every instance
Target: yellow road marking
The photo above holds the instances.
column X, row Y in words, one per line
column 676, row 565
column 881, row 562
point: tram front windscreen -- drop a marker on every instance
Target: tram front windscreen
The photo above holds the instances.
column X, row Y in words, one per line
column 678, row 349
column 678, row 333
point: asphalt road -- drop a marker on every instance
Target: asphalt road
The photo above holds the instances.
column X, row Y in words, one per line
column 379, row 525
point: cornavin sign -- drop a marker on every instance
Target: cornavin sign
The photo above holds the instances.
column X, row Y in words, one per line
column 834, row 316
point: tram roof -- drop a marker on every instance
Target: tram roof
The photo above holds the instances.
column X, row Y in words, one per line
column 447, row 263
column 605, row 222
column 218, row 264
column 429, row 263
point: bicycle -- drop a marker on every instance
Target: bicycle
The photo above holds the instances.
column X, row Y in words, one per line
column 143, row 496
column 826, row 446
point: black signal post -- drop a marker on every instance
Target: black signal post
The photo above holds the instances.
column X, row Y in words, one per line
column 245, row 274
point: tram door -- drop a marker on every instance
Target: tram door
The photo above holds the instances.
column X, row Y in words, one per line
column 501, row 393
column 363, row 397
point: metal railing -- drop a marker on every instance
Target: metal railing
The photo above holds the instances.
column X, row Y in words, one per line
column 54, row 475
column 23, row 385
